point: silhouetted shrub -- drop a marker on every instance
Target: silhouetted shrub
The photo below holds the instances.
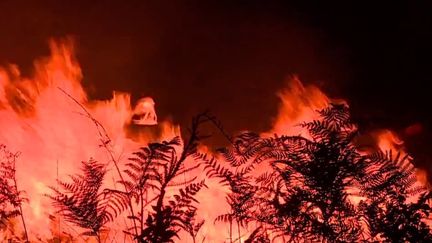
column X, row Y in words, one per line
column 320, row 187
column 11, row 198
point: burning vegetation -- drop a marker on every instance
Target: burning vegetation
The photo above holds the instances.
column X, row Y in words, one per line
column 308, row 179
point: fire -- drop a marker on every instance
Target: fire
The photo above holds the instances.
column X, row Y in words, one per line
column 41, row 117
column 389, row 141
column 53, row 133
column 299, row 103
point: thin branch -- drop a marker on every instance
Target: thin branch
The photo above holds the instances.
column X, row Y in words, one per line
column 105, row 139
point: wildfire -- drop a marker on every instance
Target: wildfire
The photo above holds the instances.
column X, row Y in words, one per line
column 53, row 133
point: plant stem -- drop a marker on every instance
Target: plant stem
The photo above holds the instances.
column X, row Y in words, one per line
column 105, row 141
column 230, row 231
column 20, row 205
column 238, row 230
column 24, row 224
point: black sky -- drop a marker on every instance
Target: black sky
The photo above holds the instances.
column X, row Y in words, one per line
column 232, row 56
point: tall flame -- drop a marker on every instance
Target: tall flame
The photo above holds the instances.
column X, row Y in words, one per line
column 52, row 132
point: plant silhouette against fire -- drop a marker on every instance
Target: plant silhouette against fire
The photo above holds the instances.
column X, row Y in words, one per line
column 318, row 187
column 153, row 170
column 11, row 198
column 84, row 203
column 310, row 190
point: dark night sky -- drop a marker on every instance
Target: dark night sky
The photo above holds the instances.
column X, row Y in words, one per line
column 232, row 56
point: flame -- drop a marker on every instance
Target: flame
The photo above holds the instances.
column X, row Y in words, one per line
column 299, row 103
column 389, row 141
column 53, row 134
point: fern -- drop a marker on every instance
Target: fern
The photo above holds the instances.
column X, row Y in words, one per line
column 151, row 171
column 390, row 182
column 84, row 203
column 304, row 197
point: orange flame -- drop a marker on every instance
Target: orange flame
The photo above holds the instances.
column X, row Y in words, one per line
column 389, row 141
column 50, row 130
column 299, row 103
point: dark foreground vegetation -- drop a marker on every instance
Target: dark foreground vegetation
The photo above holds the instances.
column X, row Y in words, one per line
column 319, row 188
